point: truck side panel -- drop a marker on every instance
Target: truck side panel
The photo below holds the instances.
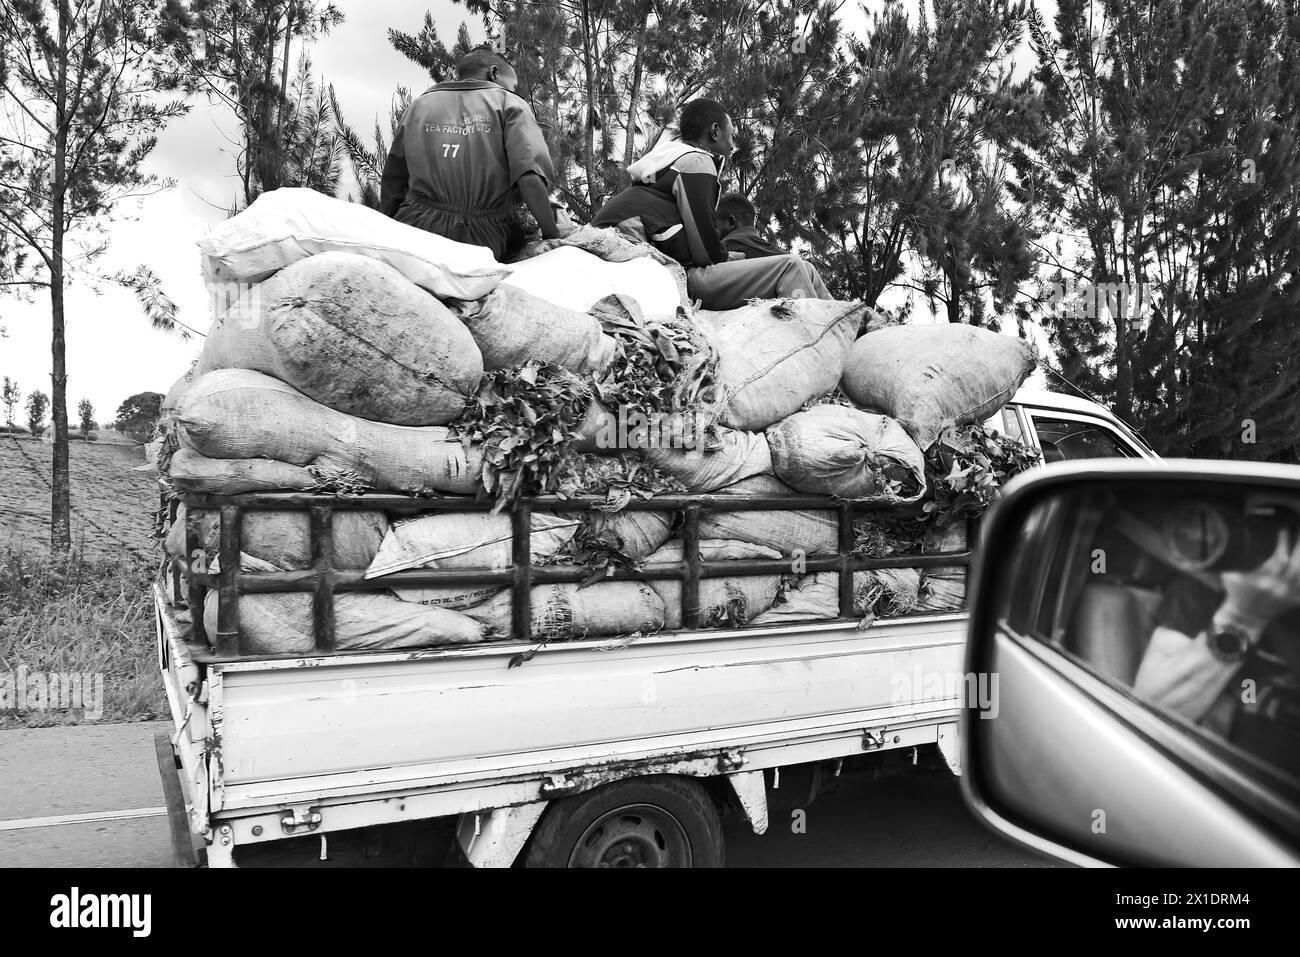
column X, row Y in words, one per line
column 454, row 718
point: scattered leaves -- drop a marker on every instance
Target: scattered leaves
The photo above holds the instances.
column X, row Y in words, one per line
column 525, row 421
column 966, row 468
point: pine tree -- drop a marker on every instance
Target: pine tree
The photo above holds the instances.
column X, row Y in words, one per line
column 87, row 87
column 970, row 117
column 1171, row 146
column 239, row 53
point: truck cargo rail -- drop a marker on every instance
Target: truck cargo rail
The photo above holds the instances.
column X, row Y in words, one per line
column 322, row 580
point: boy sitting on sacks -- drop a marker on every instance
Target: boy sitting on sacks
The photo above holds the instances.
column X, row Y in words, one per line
column 671, row 204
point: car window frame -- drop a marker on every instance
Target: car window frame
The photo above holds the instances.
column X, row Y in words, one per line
column 1031, row 413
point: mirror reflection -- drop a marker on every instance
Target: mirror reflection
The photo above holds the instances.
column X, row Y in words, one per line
column 1188, row 599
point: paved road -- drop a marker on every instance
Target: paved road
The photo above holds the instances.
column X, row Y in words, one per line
column 905, row 820
column 55, row 772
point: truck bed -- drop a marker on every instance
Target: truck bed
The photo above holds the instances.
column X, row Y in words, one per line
column 367, row 737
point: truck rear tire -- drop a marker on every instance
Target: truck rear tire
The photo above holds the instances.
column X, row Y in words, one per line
column 660, row 820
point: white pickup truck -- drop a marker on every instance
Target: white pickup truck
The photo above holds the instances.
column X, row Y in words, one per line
column 592, row 753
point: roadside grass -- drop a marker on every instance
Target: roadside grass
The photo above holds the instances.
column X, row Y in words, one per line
column 78, row 614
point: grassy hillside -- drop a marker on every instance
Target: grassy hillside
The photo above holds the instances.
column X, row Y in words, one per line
column 88, row 613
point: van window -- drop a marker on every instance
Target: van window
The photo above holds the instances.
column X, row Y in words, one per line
column 1067, row 439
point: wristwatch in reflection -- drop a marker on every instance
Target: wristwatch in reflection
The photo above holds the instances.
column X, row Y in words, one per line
column 1228, row 643
column 1228, row 638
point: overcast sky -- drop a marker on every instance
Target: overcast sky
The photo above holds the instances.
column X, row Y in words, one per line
column 112, row 351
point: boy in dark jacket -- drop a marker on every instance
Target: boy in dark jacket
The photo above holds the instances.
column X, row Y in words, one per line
column 672, row 202
column 736, row 216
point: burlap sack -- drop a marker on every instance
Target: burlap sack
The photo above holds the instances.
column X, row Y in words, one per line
column 282, row 624
column 723, row 601
column 635, row 534
column 512, row 326
column 283, row 539
column 561, row 612
column 836, row 450
column 192, row 472
column 706, row 466
column 884, row 592
column 789, row 532
column 278, row 624
column 355, row 335
column 776, row 355
column 238, row 414
column 930, row 377
column 943, row 588
column 175, row 395
column 462, row 540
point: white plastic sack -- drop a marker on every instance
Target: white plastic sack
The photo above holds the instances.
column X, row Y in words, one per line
column 354, row 334
column 462, row 540
column 836, row 450
column 577, row 280
column 611, row 245
column 285, row 225
column 238, row 414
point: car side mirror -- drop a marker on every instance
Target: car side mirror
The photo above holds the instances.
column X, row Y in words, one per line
column 1138, row 625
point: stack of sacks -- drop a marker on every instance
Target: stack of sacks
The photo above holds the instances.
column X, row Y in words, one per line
column 931, row 378
column 355, row 344
column 784, row 431
column 343, row 347
column 277, row 624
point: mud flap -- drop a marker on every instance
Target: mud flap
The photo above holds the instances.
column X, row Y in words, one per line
column 751, row 792
column 495, row 838
column 178, row 822
column 950, row 746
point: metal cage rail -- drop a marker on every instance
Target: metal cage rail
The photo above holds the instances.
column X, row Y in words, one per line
column 323, row 580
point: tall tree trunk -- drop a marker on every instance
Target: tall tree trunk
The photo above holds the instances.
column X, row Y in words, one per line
column 284, row 76
column 245, row 101
column 60, row 496
column 268, row 151
column 588, row 158
column 634, row 100
column 955, row 289
column 1123, row 371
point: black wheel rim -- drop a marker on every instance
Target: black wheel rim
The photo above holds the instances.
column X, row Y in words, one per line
column 635, row 835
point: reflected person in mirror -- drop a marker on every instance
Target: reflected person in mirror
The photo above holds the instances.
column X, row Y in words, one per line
column 1212, row 664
